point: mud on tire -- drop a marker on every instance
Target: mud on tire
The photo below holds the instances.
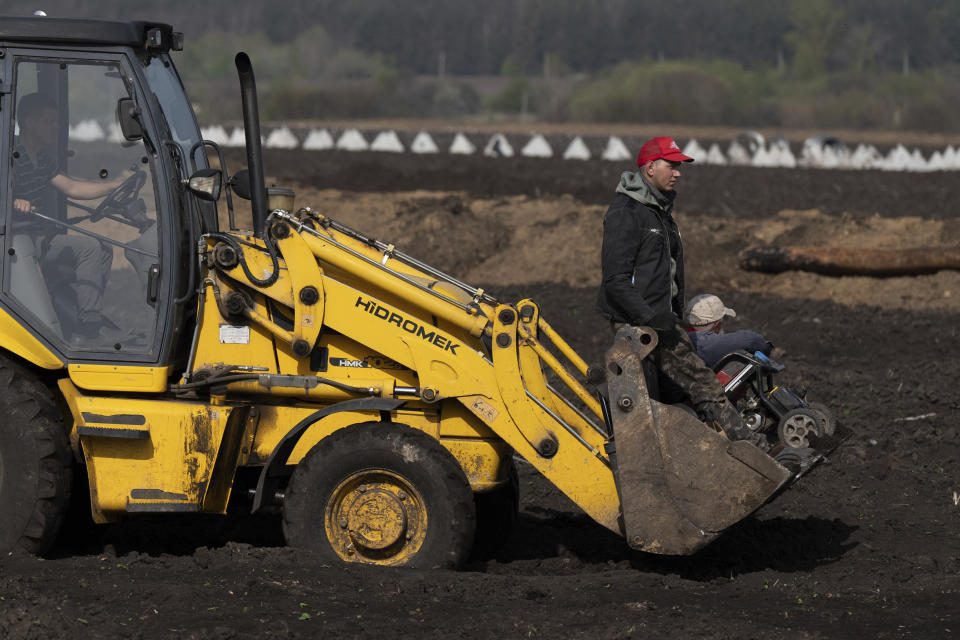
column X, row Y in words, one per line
column 35, row 461
column 381, row 493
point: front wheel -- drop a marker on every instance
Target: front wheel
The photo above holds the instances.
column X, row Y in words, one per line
column 381, row 493
column 35, row 462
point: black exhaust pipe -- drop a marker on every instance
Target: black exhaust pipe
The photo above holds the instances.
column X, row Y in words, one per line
column 251, row 129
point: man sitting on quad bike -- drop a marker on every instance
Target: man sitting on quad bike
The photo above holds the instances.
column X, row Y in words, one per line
column 743, row 366
column 705, row 314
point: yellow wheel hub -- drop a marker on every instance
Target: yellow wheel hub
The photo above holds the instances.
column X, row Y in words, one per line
column 376, row 516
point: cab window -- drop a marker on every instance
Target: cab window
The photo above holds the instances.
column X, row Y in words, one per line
column 82, row 257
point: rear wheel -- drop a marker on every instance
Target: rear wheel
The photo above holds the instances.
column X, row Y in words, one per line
column 35, row 462
column 381, row 493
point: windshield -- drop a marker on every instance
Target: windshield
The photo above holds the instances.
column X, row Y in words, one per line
column 166, row 86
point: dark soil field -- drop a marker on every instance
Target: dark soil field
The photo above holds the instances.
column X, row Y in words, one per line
column 865, row 546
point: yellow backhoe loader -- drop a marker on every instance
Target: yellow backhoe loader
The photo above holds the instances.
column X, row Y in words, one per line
column 377, row 402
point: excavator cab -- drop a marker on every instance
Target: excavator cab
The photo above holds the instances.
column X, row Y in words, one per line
column 376, row 402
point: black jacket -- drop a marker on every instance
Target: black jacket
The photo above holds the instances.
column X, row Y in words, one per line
column 639, row 239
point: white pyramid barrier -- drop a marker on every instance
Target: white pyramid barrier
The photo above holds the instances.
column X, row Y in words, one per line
column 778, row 154
column 87, row 131
column 744, row 147
column 825, row 152
column 715, row 156
column 318, row 140
column 951, row 158
column 738, row 154
column 281, row 138
column 498, row 147
column 694, row 150
column 423, row 143
column 577, row 150
column 388, row 142
column 898, row 159
column 783, row 156
column 810, row 153
column 866, row 156
column 764, row 158
column 831, row 158
column 918, row 162
column 537, row 147
column 462, row 146
column 616, row 150
column 216, row 134
column 352, row 140
column 237, row 138
column 945, row 160
column 936, row 162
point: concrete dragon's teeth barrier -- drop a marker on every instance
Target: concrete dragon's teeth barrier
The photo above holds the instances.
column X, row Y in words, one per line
column 746, row 149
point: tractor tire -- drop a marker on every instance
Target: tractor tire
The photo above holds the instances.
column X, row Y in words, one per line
column 35, row 462
column 497, row 513
column 381, row 493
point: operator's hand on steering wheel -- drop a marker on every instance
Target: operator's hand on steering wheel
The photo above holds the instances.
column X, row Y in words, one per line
column 21, row 205
column 126, row 192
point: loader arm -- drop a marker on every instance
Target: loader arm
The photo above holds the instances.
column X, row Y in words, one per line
column 433, row 327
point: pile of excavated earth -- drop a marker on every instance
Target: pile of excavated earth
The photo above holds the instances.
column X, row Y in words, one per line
column 866, row 545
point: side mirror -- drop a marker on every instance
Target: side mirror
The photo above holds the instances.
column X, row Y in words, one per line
column 240, row 183
column 128, row 116
column 206, row 184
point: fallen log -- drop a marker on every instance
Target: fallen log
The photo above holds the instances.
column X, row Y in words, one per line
column 834, row 261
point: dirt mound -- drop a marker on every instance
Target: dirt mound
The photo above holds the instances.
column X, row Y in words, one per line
column 519, row 240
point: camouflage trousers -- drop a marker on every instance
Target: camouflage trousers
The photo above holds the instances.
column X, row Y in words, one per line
column 677, row 374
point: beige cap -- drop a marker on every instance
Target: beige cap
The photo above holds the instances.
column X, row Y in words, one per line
column 706, row 309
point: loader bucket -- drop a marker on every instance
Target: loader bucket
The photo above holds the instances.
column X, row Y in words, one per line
column 681, row 483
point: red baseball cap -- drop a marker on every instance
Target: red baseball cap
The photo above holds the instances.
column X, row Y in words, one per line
column 661, row 148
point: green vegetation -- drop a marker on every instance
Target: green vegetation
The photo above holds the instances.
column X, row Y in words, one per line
column 722, row 93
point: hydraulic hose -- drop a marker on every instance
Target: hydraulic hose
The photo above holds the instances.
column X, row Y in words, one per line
column 271, row 251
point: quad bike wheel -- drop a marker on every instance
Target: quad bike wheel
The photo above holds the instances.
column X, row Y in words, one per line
column 381, row 493
column 798, row 425
column 825, row 417
column 754, row 420
column 35, row 462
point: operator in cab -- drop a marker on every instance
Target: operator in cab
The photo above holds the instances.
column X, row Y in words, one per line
column 36, row 173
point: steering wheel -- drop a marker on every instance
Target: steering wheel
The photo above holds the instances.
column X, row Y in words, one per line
column 120, row 199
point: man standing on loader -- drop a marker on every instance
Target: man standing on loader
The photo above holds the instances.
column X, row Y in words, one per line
column 643, row 284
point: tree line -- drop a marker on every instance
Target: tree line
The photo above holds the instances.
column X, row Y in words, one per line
column 472, row 38
column 851, row 63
